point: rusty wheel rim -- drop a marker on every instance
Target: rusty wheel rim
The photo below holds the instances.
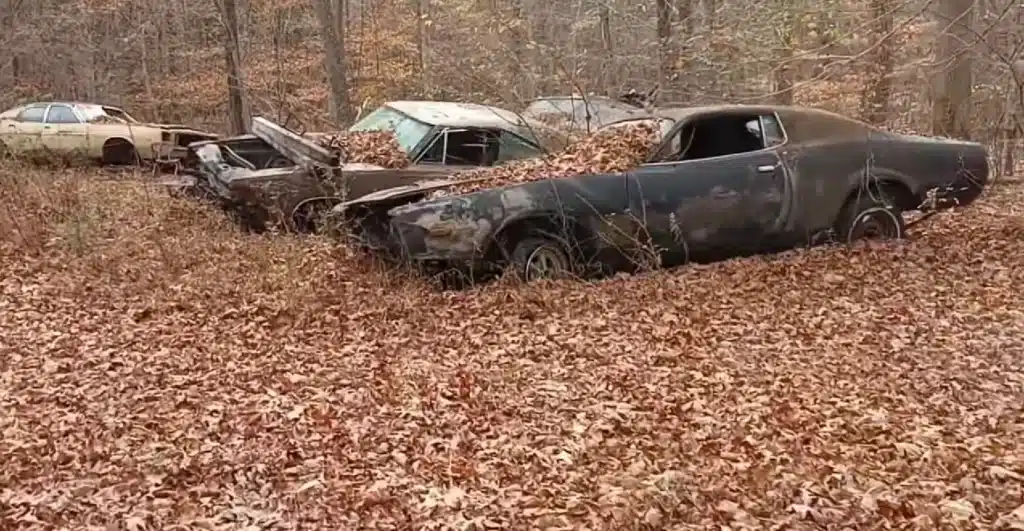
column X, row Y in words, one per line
column 546, row 262
column 875, row 224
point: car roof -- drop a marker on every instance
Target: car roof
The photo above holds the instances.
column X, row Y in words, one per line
column 72, row 103
column 677, row 113
column 596, row 98
column 457, row 114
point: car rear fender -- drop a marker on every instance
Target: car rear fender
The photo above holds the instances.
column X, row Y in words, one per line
column 869, row 178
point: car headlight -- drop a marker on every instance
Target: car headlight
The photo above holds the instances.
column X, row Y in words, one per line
column 443, row 229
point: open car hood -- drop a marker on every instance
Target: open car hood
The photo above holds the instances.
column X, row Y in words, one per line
column 303, row 151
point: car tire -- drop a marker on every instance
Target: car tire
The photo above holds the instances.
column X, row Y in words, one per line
column 119, row 152
column 538, row 256
column 870, row 214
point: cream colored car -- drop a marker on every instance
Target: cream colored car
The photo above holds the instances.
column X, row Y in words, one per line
column 101, row 132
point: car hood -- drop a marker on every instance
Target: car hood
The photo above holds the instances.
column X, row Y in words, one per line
column 360, row 166
column 399, row 192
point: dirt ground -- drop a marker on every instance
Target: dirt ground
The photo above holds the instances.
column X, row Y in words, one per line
column 161, row 370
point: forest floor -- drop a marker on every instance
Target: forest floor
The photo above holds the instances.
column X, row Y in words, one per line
column 158, row 368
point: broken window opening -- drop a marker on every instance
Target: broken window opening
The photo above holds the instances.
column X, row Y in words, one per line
column 722, row 135
column 118, row 114
column 468, row 147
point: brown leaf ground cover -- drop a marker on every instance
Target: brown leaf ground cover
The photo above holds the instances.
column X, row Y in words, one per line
column 160, row 370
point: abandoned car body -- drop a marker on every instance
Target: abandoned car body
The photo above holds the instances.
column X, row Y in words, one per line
column 100, row 132
column 724, row 181
column 586, row 113
column 275, row 174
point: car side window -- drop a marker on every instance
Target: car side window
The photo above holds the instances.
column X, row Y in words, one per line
column 715, row 135
column 61, row 114
column 772, row 130
column 463, row 147
column 33, row 114
column 511, row 147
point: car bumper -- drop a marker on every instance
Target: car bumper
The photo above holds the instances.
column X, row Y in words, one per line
column 966, row 189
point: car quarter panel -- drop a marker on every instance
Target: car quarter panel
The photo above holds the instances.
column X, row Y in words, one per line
column 831, row 156
column 957, row 170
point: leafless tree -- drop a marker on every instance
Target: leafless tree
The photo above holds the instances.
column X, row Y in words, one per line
column 238, row 117
column 953, row 78
column 331, row 15
column 317, row 61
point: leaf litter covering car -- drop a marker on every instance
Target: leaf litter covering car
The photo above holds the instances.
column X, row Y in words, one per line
column 722, row 181
column 92, row 131
column 278, row 175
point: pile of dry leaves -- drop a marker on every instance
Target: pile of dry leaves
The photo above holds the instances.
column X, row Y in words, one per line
column 161, row 370
column 380, row 148
column 607, row 151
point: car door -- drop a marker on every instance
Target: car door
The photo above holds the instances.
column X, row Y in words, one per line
column 64, row 131
column 713, row 206
column 23, row 133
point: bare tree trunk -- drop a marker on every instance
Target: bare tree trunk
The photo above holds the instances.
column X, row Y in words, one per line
column 607, row 77
column 874, row 104
column 686, row 25
column 331, row 15
column 667, row 58
column 782, row 74
column 518, row 68
column 1015, row 125
column 950, row 106
column 421, row 46
column 238, row 117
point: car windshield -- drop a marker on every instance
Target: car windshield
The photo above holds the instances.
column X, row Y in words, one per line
column 408, row 130
column 99, row 114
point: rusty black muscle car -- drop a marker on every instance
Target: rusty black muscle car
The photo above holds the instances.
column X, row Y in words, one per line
column 275, row 175
column 723, row 181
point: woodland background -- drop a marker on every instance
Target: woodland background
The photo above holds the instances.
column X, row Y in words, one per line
column 950, row 67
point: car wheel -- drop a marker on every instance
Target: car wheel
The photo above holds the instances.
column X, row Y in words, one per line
column 119, row 152
column 871, row 215
column 538, row 257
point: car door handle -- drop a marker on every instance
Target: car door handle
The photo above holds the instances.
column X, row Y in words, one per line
column 724, row 194
column 766, row 168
